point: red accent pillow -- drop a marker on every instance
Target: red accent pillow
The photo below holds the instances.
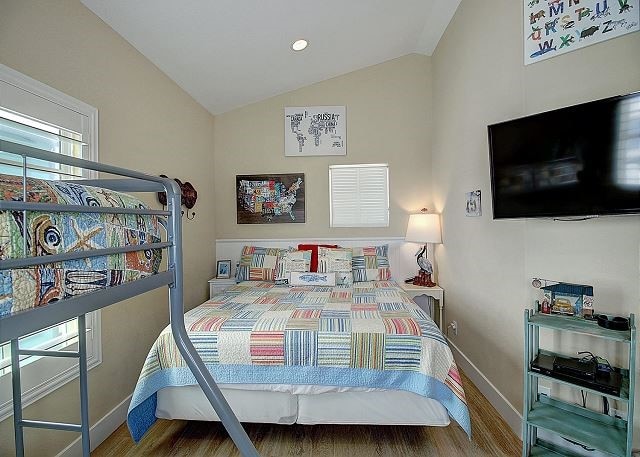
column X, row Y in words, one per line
column 314, row 253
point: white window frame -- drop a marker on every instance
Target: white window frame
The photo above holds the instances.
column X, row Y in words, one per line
column 360, row 220
column 46, row 374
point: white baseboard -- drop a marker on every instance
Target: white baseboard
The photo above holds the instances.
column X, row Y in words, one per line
column 506, row 410
column 101, row 430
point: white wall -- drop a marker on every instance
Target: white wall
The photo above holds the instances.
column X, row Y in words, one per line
column 485, row 265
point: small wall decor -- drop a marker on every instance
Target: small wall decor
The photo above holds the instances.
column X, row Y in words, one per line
column 553, row 27
column 270, row 199
column 223, row 269
column 474, row 204
column 315, row 131
column 188, row 197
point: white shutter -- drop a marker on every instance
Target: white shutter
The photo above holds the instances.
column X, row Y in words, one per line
column 37, row 115
column 359, row 195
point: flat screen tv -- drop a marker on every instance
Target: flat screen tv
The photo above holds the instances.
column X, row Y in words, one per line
column 583, row 160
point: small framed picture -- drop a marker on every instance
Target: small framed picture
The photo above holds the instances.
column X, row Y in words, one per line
column 223, row 269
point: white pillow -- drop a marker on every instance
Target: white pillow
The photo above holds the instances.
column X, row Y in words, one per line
column 312, row 279
column 291, row 260
column 338, row 261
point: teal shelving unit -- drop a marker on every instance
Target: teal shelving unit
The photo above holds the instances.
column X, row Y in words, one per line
column 608, row 434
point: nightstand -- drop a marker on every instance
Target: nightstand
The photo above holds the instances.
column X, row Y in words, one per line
column 217, row 285
column 436, row 292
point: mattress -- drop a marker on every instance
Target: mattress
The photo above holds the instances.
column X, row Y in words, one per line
column 62, row 232
column 369, row 335
column 330, row 406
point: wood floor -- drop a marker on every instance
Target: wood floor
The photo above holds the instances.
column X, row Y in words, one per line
column 491, row 437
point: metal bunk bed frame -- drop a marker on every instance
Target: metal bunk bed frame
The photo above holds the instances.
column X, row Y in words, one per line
column 14, row 326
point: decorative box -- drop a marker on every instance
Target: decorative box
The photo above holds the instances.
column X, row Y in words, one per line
column 570, row 299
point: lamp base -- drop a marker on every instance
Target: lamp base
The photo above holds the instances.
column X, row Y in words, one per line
column 423, row 279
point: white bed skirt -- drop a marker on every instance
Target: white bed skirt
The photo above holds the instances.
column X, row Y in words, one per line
column 374, row 407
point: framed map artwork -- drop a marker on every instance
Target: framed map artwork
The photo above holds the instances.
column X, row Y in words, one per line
column 270, row 199
column 315, row 131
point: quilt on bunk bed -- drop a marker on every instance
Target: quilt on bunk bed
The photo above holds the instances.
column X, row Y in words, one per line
column 367, row 335
column 62, row 232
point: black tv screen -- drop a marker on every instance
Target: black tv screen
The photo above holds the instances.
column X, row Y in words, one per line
column 582, row 160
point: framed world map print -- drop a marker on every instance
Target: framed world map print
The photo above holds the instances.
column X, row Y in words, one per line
column 315, row 131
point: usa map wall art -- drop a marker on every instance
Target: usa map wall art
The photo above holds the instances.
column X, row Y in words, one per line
column 270, row 199
column 554, row 27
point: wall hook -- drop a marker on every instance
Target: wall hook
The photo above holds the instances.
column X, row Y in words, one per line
column 188, row 197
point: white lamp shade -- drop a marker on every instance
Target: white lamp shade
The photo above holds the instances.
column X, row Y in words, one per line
column 424, row 228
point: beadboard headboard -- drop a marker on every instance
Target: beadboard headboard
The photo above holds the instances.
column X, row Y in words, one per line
column 401, row 253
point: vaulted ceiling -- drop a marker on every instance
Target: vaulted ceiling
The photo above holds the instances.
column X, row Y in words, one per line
column 229, row 53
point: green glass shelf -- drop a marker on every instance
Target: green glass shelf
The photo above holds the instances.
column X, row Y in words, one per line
column 624, row 388
column 592, row 429
column 578, row 325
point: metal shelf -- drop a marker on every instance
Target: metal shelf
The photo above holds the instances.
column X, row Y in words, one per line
column 578, row 325
column 624, row 388
column 610, row 435
column 544, row 449
column 592, row 429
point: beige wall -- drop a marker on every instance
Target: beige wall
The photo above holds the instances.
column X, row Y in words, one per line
column 426, row 117
column 146, row 123
column 485, row 265
column 388, row 121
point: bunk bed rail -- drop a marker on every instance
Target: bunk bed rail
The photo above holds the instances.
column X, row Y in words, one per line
column 28, row 321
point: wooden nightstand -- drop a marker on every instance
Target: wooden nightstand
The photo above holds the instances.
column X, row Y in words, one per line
column 217, row 285
column 436, row 292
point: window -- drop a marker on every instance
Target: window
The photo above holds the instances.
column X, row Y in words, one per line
column 36, row 115
column 359, row 195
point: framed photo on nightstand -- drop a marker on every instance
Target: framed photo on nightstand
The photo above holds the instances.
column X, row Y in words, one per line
column 223, row 269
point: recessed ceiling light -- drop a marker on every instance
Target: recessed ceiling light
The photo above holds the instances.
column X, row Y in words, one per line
column 299, row 45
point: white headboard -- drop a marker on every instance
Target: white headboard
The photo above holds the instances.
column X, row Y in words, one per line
column 401, row 253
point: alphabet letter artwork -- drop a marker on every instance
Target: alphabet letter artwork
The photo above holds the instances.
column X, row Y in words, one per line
column 553, row 27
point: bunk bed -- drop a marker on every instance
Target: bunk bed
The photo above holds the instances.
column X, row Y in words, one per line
column 138, row 246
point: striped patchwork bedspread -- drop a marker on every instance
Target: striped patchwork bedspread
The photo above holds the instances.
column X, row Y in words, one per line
column 58, row 232
column 368, row 335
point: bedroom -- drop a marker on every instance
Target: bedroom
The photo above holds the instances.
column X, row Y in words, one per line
column 437, row 108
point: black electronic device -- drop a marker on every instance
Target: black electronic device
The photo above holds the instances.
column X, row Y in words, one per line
column 580, row 368
column 605, row 382
column 573, row 161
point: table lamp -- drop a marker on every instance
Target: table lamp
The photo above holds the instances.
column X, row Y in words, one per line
column 424, row 228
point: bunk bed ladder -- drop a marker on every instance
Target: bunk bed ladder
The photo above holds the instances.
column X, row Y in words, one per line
column 19, row 423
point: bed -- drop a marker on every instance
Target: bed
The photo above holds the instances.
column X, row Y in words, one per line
column 71, row 247
column 358, row 354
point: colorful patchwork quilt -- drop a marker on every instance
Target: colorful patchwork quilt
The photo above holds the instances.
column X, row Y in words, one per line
column 57, row 233
column 369, row 335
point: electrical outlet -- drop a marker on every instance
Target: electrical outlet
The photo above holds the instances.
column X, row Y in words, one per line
column 453, row 325
column 544, row 390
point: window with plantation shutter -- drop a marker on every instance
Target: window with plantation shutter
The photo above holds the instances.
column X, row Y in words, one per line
column 36, row 115
column 359, row 195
